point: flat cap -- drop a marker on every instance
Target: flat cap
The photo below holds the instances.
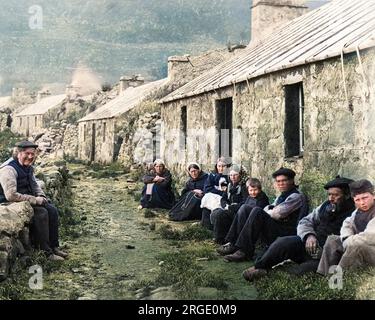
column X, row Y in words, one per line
column 361, row 186
column 284, row 172
column 338, row 182
column 26, row 144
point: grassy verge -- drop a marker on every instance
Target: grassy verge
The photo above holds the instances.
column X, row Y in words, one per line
column 279, row 285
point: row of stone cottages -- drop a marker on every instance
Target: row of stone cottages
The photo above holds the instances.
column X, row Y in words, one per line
column 303, row 97
column 300, row 97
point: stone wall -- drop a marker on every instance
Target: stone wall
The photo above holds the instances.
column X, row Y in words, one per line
column 15, row 217
column 339, row 135
column 70, row 141
column 14, row 222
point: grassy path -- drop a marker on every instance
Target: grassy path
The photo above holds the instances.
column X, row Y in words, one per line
column 120, row 254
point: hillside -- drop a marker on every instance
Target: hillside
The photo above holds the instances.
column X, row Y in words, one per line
column 111, row 37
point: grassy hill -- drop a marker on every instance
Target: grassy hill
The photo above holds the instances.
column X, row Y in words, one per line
column 111, row 37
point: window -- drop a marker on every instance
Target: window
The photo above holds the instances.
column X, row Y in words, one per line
column 294, row 126
column 184, row 126
column 104, row 130
column 84, row 132
column 36, row 118
column 20, row 122
column 224, row 110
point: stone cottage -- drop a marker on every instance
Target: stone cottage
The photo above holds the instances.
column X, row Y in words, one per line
column 32, row 118
column 126, row 128
column 98, row 136
column 301, row 97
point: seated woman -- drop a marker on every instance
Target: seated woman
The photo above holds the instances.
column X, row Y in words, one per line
column 214, row 189
column 235, row 195
column 188, row 207
column 157, row 192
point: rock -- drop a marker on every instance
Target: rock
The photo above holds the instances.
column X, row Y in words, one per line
column 14, row 216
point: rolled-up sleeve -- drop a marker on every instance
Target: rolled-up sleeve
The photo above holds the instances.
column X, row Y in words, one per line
column 8, row 180
column 291, row 204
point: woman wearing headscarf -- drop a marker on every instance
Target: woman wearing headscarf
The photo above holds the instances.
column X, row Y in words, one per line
column 188, row 207
column 157, row 192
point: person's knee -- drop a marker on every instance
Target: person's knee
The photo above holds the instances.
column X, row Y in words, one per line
column 40, row 215
column 52, row 212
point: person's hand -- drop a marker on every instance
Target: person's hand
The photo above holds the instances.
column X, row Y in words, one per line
column 198, row 192
column 40, row 201
column 159, row 179
column 311, row 244
column 223, row 188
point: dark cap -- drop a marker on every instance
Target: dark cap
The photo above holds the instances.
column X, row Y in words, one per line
column 284, row 172
column 338, row 182
column 26, row 144
column 361, row 186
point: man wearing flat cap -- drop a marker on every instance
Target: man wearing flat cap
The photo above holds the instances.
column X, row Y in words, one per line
column 312, row 233
column 275, row 220
column 18, row 183
column 355, row 247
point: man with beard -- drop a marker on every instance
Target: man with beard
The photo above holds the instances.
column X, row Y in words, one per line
column 355, row 246
column 312, row 233
column 276, row 220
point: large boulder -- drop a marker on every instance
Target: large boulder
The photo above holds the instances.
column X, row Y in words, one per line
column 14, row 216
column 14, row 221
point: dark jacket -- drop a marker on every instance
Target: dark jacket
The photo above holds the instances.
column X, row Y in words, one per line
column 167, row 183
column 212, row 183
column 192, row 184
column 260, row 201
column 323, row 222
column 235, row 196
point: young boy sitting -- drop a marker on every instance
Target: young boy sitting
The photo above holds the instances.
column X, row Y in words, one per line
column 256, row 198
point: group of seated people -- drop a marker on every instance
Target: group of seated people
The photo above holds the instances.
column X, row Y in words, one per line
column 339, row 232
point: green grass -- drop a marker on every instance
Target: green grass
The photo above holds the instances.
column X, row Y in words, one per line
column 279, row 285
column 191, row 232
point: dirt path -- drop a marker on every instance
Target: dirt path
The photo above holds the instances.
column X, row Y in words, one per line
column 117, row 252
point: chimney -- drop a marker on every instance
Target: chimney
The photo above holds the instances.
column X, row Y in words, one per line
column 42, row 94
column 133, row 81
column 72, row 92
column 269, row 15
column 18, row 92
column 179, row 68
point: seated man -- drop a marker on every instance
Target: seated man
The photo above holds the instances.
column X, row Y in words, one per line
column 355, row 247
column 276, row 220
column 18, row 183
column 312, row 232
column 157, row 192
column 256, row 198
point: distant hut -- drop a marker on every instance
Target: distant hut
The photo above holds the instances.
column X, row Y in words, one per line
column 98, row 131
column 32, row 118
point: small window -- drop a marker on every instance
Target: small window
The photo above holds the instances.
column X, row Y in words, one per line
column 294, row 125
column 20, row 122
column 184, row 126
column 36, row 121
column 84, row 132
column 104, row 130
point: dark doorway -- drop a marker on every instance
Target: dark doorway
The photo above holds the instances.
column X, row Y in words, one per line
column 27, row 127
column 117, row 147
column 9, row 121
column 294, row 126
column 224, row 115
column 92, row 155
